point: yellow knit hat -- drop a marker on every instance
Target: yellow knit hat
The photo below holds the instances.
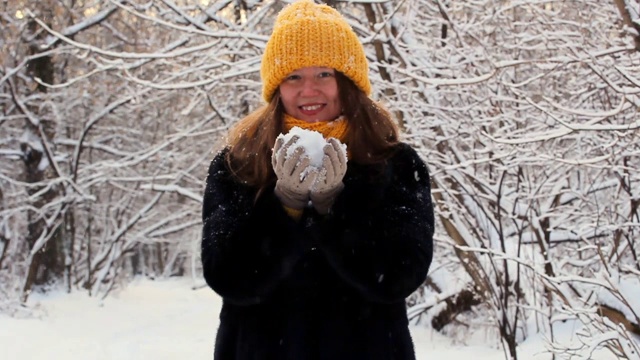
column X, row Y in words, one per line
column 307, row 34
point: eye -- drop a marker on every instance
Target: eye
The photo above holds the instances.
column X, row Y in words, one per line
column 292, row 77
column 325, row 74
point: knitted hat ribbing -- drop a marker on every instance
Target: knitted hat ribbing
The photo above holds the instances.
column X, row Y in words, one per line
column 308, row 34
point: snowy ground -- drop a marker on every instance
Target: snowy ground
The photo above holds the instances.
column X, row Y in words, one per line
column 168, row 320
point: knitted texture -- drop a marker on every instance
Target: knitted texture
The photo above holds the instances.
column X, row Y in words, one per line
column 308, row 34
column 336, row 129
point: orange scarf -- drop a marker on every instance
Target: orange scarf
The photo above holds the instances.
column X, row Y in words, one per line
column 337, row 128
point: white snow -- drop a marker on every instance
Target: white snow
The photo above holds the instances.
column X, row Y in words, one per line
column 311, row 141
column 168, row 319
column 628, row 299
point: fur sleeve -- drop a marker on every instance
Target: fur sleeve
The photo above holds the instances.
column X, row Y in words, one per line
column 379, row 237
column 248, row 245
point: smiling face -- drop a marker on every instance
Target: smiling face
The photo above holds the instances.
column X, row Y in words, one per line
column 311, row 94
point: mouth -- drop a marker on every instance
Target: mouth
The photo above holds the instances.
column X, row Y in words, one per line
column 311, row 109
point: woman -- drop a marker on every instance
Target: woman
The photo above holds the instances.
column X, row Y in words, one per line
column 316, row 264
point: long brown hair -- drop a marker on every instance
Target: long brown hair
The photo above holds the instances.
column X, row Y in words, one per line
column 371, row 138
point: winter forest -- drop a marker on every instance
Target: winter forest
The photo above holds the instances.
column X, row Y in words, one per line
column 527, row 113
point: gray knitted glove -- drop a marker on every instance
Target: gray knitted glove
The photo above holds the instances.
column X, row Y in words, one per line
column 294, row 179
column 329, row 181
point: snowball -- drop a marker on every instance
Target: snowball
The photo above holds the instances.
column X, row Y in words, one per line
column 311, row 141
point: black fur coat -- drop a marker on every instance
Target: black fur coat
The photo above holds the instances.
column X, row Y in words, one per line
column 323, row 287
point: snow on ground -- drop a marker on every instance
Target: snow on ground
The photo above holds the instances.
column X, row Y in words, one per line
column 169, row 320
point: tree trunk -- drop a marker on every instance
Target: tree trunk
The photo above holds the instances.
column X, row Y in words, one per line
column 382, row 59
column 46, row 264
column 629, row 21
column 457, row 304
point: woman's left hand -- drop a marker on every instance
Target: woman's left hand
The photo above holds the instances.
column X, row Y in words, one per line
column 329, row 184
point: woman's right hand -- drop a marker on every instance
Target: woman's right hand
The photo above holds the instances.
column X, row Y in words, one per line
column 294, row 175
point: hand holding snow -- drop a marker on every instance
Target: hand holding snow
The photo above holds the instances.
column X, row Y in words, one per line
column 311, row 141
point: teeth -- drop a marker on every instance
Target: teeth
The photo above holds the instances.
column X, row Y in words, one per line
column 311, row 107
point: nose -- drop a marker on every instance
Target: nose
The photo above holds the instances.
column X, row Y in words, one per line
column 309, row 87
